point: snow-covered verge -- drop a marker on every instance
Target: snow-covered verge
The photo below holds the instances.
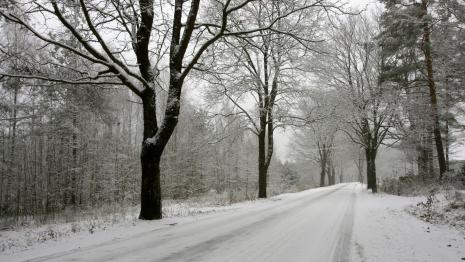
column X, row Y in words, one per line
column 445, row 207
column 385, row 230
column 442, row 203
column 419, row 186
column 91, row 231
column 105, row 222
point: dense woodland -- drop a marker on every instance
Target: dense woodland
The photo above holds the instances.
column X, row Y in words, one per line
column 122, row 103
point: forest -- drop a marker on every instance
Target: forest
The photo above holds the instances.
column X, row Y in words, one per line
column 116, row 104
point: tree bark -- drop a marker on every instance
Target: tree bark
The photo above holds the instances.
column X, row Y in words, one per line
column 2, row 175
column 425, row 155
column 12, row 165
column 329, row 171
column 322, row 173
column 154, row 138
column 333, row 175
column 446, row 131
column 360, row 167
column 150, row 162
column 370, row 155
column 262, row 168
column 74, row 144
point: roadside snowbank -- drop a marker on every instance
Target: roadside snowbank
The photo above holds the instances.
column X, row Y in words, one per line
column 109, row 225
column 384, row 231
column 445, row 207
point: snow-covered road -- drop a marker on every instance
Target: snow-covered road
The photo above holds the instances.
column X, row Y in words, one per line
column 338, row 223
column 315, row 226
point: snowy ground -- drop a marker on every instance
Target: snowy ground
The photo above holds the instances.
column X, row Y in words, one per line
column 338, row 223
column 105, row 219
column 445, row 207
column 386, row 231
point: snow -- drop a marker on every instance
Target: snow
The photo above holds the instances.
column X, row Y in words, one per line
column 385, row 231
column 100, row 228
column 445, row 207
column 337, row 223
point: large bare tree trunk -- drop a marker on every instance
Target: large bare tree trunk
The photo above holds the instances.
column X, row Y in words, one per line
column 333, row 174
column 329, row 171
column 370, row 155
column 265, row 149
column 150, row 162
column 322, row 173
column 155, row 138
column 262, row 168
column 265, row 153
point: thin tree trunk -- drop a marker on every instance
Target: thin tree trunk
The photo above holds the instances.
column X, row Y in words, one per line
column 360, row 166
column 328, row 170
column 34, row 146
column 74, row 145
column 13, row 149
column 48, row 161
column 2, row 175
column 41, row 170
column 447, row 135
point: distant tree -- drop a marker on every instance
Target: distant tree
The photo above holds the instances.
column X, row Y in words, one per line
column 289, row 176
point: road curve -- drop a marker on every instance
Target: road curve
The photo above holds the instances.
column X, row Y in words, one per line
column 314, row 227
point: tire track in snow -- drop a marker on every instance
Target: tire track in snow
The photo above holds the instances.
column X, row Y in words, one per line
column 343, row 247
